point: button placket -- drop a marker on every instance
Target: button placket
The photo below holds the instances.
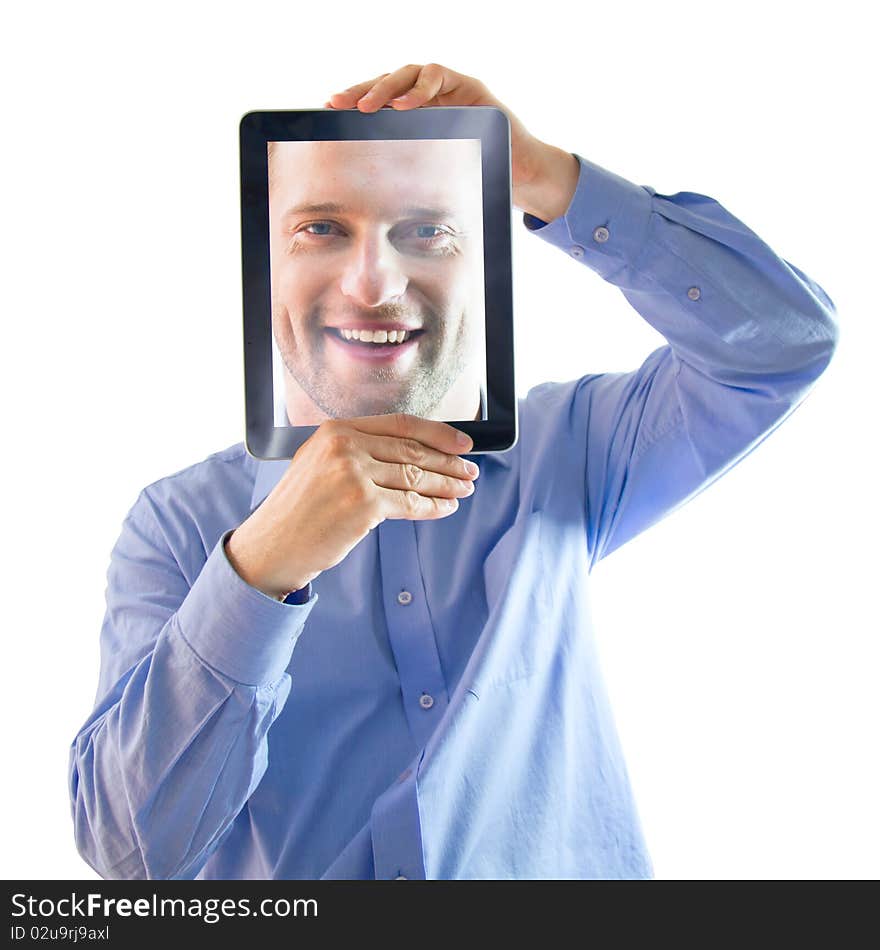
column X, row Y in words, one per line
column 410, row 629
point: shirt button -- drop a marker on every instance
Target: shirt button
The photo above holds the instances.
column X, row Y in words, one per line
column 694, row 293
column 576, row 250
column 426, row 701
column 600, row 235
column 404, row 597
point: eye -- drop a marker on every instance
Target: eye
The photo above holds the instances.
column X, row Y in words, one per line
column 432, row 237
column 304, row 237
column 428, row 227
column 419, row 237
column 318, row 224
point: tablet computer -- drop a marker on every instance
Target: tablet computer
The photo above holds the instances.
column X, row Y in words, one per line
column 376, row 271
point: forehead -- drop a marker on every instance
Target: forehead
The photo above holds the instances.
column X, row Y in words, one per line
column 444, row 168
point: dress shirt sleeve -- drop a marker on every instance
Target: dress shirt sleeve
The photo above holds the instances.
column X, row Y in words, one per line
column 748, row 334
column 192, row 677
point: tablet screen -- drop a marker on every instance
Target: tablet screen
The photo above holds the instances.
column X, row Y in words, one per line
column 376, row 271
column 377, row 279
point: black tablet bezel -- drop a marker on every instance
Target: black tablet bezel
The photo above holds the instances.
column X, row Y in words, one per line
column 491, row 126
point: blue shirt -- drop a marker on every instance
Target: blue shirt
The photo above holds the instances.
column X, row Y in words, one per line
column 436, row 708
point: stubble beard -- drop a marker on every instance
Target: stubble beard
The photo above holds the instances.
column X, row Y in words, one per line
column 418, row 394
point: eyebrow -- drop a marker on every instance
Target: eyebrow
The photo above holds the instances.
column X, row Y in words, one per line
column 332, row 207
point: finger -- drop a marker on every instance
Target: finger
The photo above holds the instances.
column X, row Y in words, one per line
column 412, row 506
column 348, row 97
column 410, row 452
column 433, row 82
column 402, row 425
column 394, row 84
column 407, row 477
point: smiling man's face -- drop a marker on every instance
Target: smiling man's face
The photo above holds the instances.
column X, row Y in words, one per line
column 377, row 277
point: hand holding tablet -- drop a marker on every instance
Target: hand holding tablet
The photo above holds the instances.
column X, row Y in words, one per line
column 345, row 480
column 376, row 271
column 412, row 87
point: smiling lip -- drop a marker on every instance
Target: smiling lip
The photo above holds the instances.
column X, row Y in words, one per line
column 373, row 325
column 373, row 352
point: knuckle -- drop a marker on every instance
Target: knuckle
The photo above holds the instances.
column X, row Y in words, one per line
column 415, row 452
column 412, row 474
column 412, row 500
column 329, row 428
column 339, row 440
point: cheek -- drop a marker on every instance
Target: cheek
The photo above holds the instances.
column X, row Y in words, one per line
column 447, row 284
column 298, row 284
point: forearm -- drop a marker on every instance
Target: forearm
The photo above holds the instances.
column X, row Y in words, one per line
column 728, row 305
column 548, row 194
column 192, row 676
column 158, row 778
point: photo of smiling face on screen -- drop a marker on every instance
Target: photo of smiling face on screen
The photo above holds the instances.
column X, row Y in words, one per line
column 376, row 260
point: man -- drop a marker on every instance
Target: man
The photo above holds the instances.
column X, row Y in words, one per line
column 331, row 668
column 377, row 278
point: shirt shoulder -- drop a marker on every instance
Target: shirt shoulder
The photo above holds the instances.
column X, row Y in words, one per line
column 217, row 467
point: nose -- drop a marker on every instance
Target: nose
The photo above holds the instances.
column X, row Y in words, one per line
column 373, row 274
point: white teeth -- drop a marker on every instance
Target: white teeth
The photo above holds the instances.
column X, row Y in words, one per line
column 376, row 336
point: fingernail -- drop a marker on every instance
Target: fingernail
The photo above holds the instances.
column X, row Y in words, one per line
column 400, row 98
column 463, row 438
column 450, row 502
column 471, row 468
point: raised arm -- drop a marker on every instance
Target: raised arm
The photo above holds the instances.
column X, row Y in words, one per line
column 748, row 335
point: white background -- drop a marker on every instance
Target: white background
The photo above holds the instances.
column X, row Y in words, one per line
column 739, row 636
